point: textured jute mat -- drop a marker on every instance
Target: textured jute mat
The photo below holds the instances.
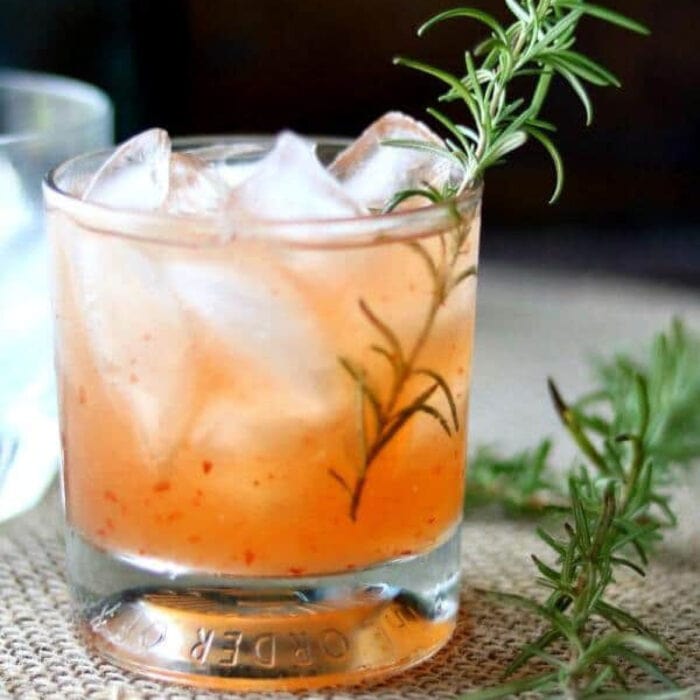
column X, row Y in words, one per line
column 41, row 656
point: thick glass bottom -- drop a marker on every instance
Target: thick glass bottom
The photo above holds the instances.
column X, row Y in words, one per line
column 264, row 633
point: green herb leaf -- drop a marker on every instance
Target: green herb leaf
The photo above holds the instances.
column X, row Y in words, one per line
column 537, row 46
column 616, row 512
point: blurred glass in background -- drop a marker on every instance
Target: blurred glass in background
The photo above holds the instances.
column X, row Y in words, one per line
column 44, row 119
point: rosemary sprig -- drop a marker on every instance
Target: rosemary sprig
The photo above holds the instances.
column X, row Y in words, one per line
column 522, row 484
column 535, row 48
column 527, row 483
column 632, row 432
column 539, row 44
column 388, row 415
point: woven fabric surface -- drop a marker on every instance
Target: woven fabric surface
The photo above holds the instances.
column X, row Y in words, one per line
column 529, row 326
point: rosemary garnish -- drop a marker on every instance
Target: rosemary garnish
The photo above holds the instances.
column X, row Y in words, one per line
column 388, row 415
column 632, row 433
column 526, row 483
column 536, row 47
column 522, row 484
column 539, row 44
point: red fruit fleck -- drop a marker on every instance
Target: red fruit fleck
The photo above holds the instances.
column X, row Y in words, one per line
column 133, row 378
column 101, row 532
column 173, row 515
column 296, row 570
column 256, row 483
column 110, row 524
column 194, row 539
column 207, row 466
column 110, row 496
column 431, row 521
column 82, row 395
column 147, row 336
column 161, row 486
column 249, row 556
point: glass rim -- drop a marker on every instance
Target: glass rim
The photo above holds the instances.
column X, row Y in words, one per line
column 98, row 103
column 210, row 231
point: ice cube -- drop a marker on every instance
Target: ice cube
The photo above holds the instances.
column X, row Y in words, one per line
column 137, row 174
column 235, row 174
column 372, row 172
column 137, row 336
column 232, row 162
column 260, row 325
column 195, row 188
column 290, row 183
column 252, row 429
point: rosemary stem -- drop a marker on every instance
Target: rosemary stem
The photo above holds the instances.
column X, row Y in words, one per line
column 380, row 441
column 413, row 356
column 390, row 420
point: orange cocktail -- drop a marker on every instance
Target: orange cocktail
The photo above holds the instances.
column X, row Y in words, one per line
column 277, row 408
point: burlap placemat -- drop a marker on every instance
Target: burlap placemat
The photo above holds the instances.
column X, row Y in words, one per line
column 41, row 657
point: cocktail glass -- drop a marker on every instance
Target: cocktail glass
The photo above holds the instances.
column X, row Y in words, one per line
column 264, row 428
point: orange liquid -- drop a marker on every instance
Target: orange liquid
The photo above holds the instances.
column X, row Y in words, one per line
column 227, row 467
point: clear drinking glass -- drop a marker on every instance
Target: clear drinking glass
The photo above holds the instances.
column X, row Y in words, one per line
column 44, row 119
column 263, row 433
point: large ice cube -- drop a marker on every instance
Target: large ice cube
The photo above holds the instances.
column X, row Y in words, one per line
column 137, row 336
column 261, row 325
column 137, row 174
column 291, row 183
column 195, row 187
column 372, row 172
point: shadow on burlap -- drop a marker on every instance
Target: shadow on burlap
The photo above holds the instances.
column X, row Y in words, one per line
column 41, row 657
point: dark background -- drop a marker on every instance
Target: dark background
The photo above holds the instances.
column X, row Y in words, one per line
column 318, row 66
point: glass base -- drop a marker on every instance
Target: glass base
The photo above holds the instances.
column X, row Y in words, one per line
column 264, row 633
